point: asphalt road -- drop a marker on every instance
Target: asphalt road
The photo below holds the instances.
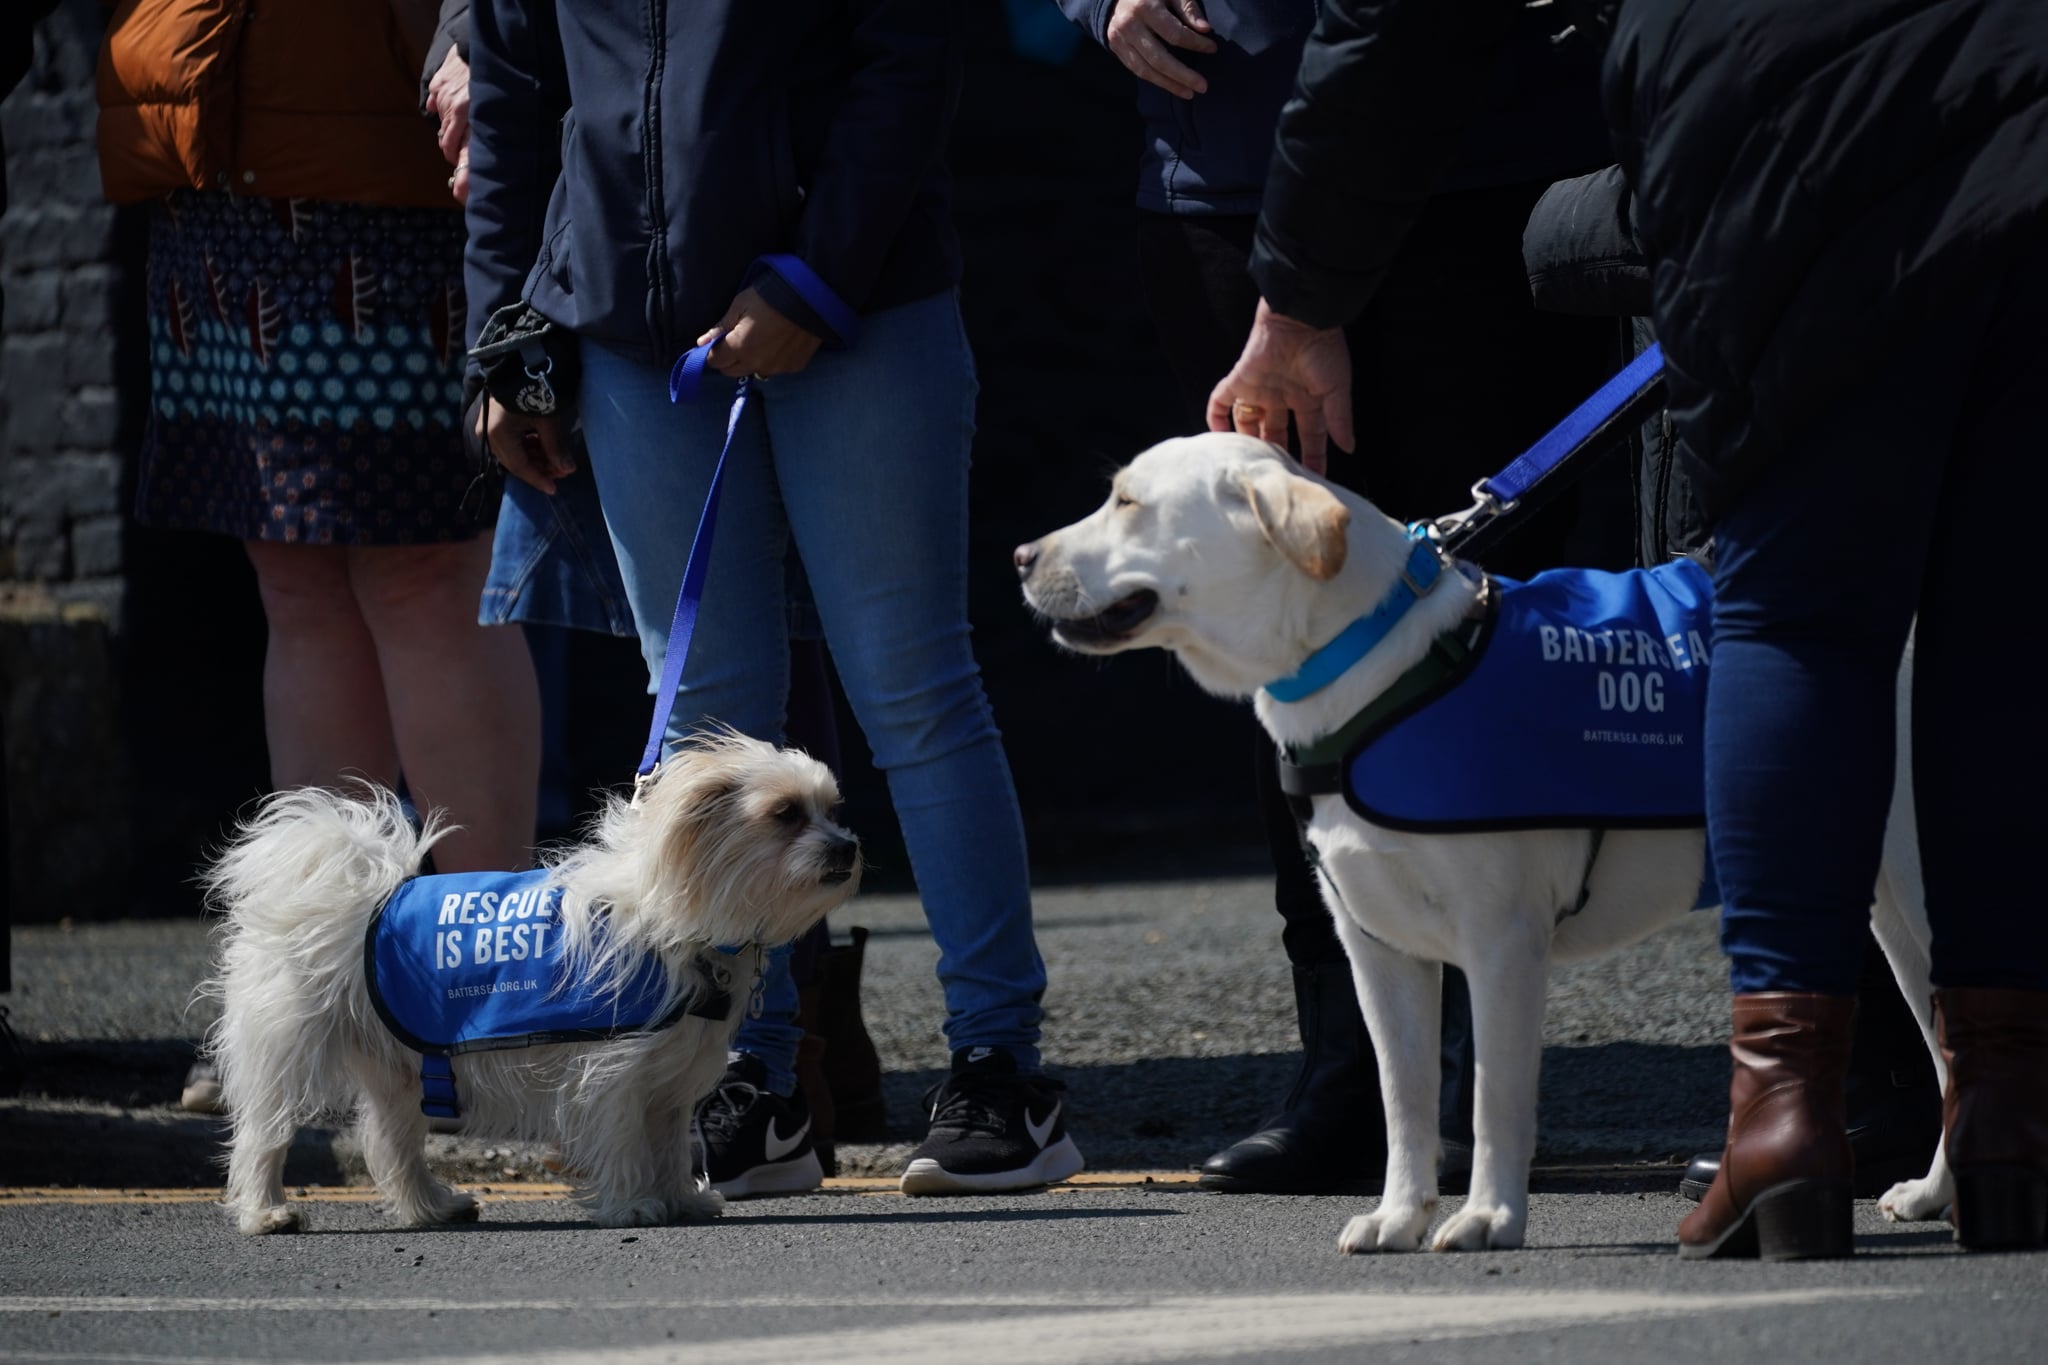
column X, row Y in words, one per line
column 1090, row 1274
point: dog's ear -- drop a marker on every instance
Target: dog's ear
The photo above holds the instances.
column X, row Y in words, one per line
column 1303, row 520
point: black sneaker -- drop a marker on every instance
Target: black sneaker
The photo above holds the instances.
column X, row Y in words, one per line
column 756, row 1141
column 992, row 1130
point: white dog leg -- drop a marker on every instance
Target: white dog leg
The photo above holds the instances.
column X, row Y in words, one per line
column 610, row 1145
column 1508, row 987
column 1401, row 999
column 1900, row 921
column 264, row 1118
column 687, row 1201
column 394, row 1136
column 256, row 1179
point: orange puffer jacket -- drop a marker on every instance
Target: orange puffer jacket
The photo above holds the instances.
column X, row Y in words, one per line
column 312, row 99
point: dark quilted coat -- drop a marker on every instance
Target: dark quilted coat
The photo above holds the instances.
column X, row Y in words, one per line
column 1815, row 179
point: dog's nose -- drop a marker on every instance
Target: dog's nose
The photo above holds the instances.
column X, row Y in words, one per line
column 1024, row 556
column 842, row 856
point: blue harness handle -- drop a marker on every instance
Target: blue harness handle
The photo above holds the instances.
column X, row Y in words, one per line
column 437, row 1088
column 684, row 381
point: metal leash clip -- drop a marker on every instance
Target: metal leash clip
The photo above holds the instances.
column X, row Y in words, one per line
column 1486, row 506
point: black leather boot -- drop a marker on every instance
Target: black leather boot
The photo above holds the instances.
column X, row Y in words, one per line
column 852, row 1067
column 1330, row 1132
column 1893, row 1104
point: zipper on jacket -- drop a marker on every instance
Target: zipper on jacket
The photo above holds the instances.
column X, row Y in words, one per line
column 650, row 150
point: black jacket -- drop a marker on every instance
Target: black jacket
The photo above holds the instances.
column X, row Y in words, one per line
column 1394, row 99
column 694, row 137
column 1584, row 257
column 1814, row 179
column 1539, row 117
column 1817, row 180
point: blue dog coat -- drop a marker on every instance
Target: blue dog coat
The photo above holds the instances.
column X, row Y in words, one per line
column 1578, row 703
column 469, row 962
column 1580, row 707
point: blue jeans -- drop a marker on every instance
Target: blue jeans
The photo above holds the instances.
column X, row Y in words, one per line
column 860, row 461
column 1909, row 499
column 551, row 562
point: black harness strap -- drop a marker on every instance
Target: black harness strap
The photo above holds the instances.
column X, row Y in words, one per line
column 1318, row 769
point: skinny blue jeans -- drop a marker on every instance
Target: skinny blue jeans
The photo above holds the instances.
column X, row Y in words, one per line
column 860, row 461
column 1911, row 499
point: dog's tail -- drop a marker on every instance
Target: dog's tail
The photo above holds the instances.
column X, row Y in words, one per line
column 296, row 888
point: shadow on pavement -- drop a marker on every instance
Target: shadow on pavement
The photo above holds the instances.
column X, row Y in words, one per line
column 889, row 1210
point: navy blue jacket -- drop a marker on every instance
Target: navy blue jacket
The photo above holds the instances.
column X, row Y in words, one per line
column 693, row 136
column 1540, row 118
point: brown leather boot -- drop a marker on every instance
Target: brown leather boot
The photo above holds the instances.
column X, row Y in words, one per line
column 1995, row 1114
column 1784, row 1188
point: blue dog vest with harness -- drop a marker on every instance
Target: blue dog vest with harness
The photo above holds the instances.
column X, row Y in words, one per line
column 473, row 962
column 1576, row 700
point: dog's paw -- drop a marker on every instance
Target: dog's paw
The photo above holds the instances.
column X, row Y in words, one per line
column 1926, row 1200
column 698, row 1206
column 263, row 1222
column 630, row 1213
column 1480, row 1228
column 1385, row 1230
column 447, row 1205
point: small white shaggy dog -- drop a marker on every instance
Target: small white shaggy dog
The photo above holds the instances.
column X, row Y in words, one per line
column 1221, row 549
column 730, row 849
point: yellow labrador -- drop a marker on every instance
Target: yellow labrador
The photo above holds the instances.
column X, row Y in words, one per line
column 1221, row 549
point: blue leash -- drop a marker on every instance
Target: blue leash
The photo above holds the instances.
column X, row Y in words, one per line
column 683, row 383
column 1561, row 455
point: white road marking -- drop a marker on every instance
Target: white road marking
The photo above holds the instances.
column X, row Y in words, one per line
column 137, row 1303
column 1115, row 1331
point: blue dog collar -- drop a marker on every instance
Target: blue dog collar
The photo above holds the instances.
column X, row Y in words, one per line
column 1362, row 636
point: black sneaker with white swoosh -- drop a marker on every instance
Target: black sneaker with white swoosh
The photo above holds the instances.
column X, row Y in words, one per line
column 992, row 1130
column 756, row 1141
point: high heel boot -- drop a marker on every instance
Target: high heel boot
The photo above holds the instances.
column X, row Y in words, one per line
column 1995, row 1114
column 1783, row 1192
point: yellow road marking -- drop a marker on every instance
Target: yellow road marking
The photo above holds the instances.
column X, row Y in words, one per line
column 533, row 1191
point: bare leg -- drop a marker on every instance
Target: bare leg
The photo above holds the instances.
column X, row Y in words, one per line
column 1401, row 998
column 463, row 701
column 323, row 694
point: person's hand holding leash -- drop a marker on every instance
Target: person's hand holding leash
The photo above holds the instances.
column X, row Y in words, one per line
column 1289, row 367
column 758, row 341
column 1140, row 32
column 528, row 446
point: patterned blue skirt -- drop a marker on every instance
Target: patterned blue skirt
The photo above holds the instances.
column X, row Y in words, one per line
column 305, row 372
